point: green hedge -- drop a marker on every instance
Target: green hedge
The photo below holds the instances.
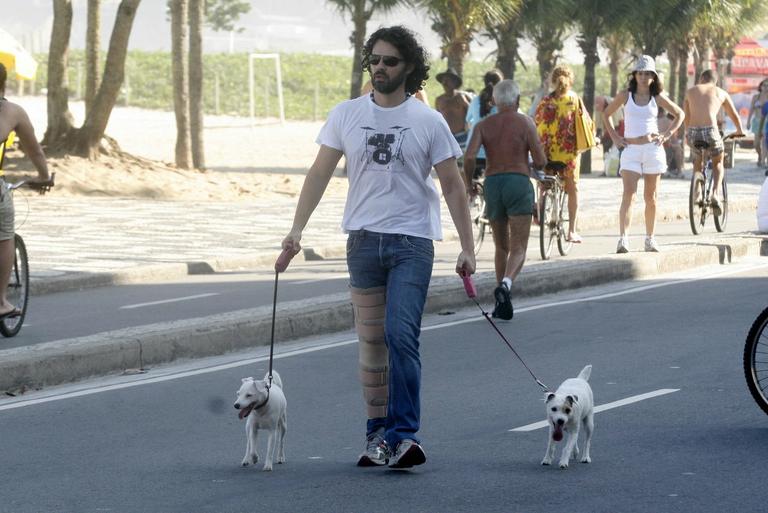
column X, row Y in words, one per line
column 312, row 84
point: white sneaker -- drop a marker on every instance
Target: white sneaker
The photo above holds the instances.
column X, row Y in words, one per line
column 651, row 245
column 623, row 246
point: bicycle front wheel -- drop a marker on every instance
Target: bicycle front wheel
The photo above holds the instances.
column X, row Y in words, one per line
column 547, row 224
column 18, row 290
column 477, row 214
column 696, row 203
column 756, row 360
column 722, row 219
column 563, row 225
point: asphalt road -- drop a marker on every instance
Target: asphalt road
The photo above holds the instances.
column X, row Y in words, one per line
column 170, row 441
column 80, row 313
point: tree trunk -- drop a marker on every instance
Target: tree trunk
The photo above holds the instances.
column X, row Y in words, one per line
column 682, row 73
column 671, row 85
column 196, row 18
column 180, row 72
column 357, row 39
column 508, row 44
column 90, row 135
column 456, row 52
column 92, row 53
column 613, row 66
column 60, row 121
column 591, row 60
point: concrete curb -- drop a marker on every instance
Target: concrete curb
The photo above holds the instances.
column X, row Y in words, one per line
column 142, row 274
column 136, row 348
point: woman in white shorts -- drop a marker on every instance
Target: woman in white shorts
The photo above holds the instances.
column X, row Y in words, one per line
column 643, row 155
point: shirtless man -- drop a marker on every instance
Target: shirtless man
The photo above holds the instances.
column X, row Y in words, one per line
column 453, row 105
column 13, row 118
column 508, row 137
column 701, row 106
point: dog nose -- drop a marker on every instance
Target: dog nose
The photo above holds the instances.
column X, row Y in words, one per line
column 560, row 422
column 237, row 406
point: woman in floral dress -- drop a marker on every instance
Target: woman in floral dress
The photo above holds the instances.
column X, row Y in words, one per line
column 556, row 125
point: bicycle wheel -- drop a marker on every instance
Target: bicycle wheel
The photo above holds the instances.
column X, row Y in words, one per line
column 563, row 225
column 18, row 290
column 547, row 223
column 477, row 214
column 722, row 219
column 696, row 203
column 756, row 360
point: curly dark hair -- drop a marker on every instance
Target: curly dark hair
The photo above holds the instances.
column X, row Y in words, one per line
column 413, row 53
column 656, row 86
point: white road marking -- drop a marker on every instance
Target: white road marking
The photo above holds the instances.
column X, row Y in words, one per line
column 607, row 406
column 173, row 300
column 318, row 280
column 52, row 395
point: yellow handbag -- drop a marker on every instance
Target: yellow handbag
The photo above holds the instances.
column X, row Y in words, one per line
column 585, row 129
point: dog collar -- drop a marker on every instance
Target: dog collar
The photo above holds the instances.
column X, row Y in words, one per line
column 263, row 403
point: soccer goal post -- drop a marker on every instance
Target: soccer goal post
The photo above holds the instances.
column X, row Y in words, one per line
column 252, row 84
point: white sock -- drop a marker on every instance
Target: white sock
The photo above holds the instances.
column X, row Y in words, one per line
column 507, row 283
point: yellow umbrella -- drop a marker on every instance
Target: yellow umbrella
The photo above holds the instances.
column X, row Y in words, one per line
column 15, row 57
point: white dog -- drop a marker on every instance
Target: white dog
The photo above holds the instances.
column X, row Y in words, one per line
column 567, row 409
column 265, row 408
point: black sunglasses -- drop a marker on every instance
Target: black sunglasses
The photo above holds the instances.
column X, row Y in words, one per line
column 388, row 60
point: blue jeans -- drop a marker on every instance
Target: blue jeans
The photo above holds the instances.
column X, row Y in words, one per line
column 402, row 263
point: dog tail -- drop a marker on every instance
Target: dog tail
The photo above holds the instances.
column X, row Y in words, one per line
column 275, row 378
column 585, row 373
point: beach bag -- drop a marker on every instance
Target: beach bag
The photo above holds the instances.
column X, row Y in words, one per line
column 585, row 129
column 612, row 162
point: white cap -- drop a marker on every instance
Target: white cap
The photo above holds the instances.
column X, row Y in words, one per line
column 645, row 63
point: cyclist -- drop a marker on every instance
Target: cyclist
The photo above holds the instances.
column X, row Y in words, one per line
column 701, row 105
column 508, row 138
column 13, row 118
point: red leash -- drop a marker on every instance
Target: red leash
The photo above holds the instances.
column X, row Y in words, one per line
column 471, row 291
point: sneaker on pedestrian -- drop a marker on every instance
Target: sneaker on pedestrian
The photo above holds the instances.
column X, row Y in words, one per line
column 376, row 453
column 651, row 245
column 408, row 454
column 623, row 245
column 504, row 309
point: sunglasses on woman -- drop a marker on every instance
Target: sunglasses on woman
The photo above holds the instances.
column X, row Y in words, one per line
column 388, row 60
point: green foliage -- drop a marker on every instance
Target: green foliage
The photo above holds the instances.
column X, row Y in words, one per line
column 222, row 15
column 149, row 82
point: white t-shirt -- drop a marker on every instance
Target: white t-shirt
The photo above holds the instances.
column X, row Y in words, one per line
column 390, row 153
column 762, row 208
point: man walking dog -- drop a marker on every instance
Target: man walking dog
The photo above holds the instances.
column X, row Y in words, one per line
column 392, row 214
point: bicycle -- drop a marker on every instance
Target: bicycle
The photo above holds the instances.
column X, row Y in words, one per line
column 700, row 195
column 18, row 285
column 480, row 223
column 553, row 210
column 756, row 360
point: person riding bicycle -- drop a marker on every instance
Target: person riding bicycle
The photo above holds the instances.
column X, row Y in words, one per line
column 13, row 118
column 701, row 106
column 508, row 138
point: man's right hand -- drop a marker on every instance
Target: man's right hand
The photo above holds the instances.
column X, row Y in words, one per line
column 291, row 242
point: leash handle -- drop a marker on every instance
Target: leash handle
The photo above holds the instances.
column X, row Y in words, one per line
column 469, row 286
column 281, row 264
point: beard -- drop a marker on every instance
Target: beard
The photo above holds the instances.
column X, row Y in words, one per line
column 388, row 85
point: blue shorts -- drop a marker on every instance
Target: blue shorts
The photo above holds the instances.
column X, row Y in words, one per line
column 508, row 194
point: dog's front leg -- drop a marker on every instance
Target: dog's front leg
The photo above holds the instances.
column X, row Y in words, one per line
column 573, row 437
column 270, row 451
column 550, row 452
column 251, row 456
column 589, row 426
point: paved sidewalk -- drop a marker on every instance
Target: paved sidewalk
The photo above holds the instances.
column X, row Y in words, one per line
column 82, row 242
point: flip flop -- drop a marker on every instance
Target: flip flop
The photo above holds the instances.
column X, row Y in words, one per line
column 575, row 238
column 11, row 313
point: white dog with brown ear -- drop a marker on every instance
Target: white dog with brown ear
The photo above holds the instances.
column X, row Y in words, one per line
column 265, row 408
column 567, row 409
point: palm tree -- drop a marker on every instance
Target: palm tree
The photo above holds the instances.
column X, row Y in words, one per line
column 457, row 22
column 361, row 11
column 546, row 26
column 616, row 41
